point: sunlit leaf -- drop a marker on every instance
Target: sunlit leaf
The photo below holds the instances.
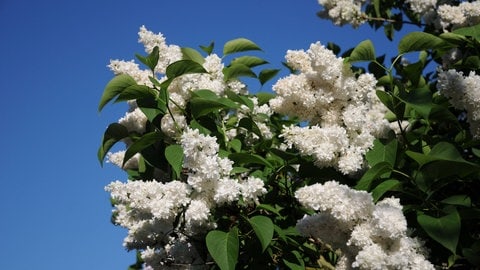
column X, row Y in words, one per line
column 114, row 88
column 174, row 156
column 419, row 41
column 239, row 45
column 364, row 51
column 445, row 230
column 263, row 228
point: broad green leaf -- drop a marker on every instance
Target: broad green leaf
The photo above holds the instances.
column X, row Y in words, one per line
column 192, row 54
column 333, row 47
column 145, row 141
column 295, row 266
column 442, row 151
column 174, row 156
column 276, row 210
column 151, row 60
column 114, row 88
column 472, row 31
column 136, row 92
column 267, row 74
column 205, row 93
column 152, row 107
column 476, row 152
column 263, row 228
column 249, row 61
column 372, row 174
column 114, row 133
column 245, row 158
column 239, row 45
column 419, row 41
column 240, row 99
column 184, row 67
column 236, row 145
column 237, row 70
column 462, row 200
column 223, row 247
column 383, row 187
column 364, row 51
column 386, row 99
column 453, row 38
column 445, row 230
column 203, row 106
column 382, row 152
column 419, row 99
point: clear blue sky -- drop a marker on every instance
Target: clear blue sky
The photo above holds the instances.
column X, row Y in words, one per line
column 55, row 213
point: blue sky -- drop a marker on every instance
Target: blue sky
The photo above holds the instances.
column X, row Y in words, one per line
column 55, row 212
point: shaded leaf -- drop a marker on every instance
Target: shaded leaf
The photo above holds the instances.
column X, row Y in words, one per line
column 445, row 230
column 151, row 60
column 384, row 187
column 263, row 228
column 143, row 142
column 267, row 74
column 174, row 156
column 372, row 174
column 114, row 133
column 223, row 247
column 245, row 158
column 208, row 49
column 114, row 88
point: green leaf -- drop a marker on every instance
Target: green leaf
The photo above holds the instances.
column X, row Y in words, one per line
column 245, row 158
column 442, row 151
column 223, row 247
column 152, row 107
column 249, row 61
column 136, row 92
column 239, row 45
column 364, row 51
column 240, row 99
column 145, row 141
column 208, row 49
column 472, row 31
column 383, row 187
column 267, row 74
column 462, row 200
column 376, row 5
column 184, row 67
column 114, row 133
column 419, row 99
column 372, row 174
column 445, row 230
column 151, row 60
column 205, row 93
column 174, row 156
column 236, row 145
column 250, row 125
column 192, row 54
column 237, row 70
column 382, row 151
column 419, row 41
column 263, row 228
column 264, row 97
column 114, row 88
column 203, row 106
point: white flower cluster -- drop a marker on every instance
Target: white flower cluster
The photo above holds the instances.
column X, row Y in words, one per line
column 343, row 11
column 343, row 112
column 447, row 15
column 370, row 236
column 161, row 218
column 464, row 94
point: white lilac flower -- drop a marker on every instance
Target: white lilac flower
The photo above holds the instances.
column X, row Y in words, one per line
column 132, row 69
column 328, row 96
column 463, row 93
column 368, row 236
column 167, row 53
column 421, row 6
column 134, row 121
column 343, row 11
